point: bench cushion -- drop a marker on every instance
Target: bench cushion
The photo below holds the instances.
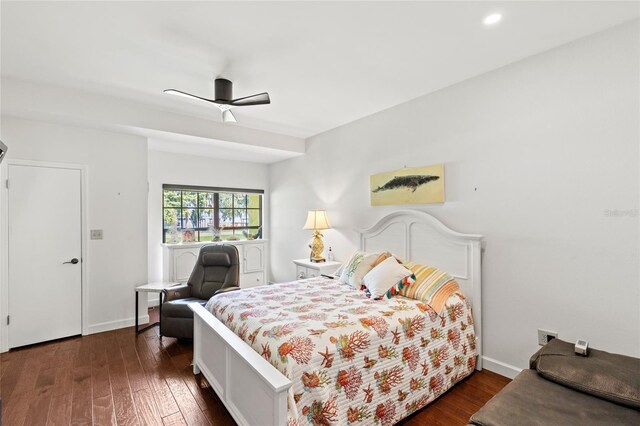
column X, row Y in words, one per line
column 613, row 377
column 530, row 400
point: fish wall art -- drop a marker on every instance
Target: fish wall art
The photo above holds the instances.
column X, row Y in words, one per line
column 414, row 185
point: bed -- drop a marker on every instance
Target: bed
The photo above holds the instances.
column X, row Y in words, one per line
column 328, row 355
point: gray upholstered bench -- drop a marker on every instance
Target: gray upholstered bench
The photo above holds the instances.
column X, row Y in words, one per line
column 562, row 388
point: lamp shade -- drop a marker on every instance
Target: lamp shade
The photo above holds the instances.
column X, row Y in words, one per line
column 317, row 219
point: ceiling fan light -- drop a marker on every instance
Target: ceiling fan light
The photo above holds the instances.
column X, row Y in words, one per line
column 227, row 116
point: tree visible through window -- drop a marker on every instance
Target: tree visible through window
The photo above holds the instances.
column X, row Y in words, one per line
column 235, row 214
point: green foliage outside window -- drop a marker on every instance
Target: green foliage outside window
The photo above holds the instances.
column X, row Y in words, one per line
column 237, row 215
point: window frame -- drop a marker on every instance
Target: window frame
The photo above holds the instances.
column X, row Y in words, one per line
column 215, row 207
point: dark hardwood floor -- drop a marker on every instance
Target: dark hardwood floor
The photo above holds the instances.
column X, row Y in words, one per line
column 120, row 378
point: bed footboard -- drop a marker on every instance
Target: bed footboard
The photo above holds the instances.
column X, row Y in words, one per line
column 254, row 392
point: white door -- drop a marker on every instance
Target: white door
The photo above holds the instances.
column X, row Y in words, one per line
column 45, row 236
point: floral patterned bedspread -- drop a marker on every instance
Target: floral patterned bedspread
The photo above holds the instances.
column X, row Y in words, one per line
column 352, row 360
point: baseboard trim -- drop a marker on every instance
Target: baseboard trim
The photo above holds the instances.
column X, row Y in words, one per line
column 500, row 367
column 114, row 325
column 153, row 301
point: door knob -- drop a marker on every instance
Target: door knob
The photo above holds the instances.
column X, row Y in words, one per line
column 72, row 261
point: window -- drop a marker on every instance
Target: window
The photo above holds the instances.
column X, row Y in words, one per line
column 234, row 213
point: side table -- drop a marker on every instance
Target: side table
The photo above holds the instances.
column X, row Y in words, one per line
column 158, row 287
column 307, row 269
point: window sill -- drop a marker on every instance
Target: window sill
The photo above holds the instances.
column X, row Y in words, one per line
column 201, row 243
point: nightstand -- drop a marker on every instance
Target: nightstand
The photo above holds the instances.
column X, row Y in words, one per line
column 307, row 269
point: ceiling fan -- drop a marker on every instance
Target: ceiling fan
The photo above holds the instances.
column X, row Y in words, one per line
column 224, row 98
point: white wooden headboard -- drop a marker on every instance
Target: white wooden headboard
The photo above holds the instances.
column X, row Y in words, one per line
column 417, row 236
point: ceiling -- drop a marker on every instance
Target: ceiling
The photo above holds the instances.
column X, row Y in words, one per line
column 324, row 64
column 214, row 148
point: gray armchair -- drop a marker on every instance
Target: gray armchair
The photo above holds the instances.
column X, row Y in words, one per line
column 217, row 270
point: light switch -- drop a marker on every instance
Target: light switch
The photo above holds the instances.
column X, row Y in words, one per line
column 96, row 234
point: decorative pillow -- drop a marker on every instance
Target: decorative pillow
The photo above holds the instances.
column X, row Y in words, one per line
column 384, row 277
column 383, row 256
column 432, row 286
column 357, row 267
column 406, row 281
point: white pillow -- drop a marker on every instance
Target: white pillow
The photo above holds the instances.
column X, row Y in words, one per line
column 384, row 276
column 358, row 265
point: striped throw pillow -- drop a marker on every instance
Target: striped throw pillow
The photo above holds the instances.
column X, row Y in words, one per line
column 432, row 286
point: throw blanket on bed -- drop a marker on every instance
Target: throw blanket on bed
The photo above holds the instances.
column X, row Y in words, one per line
column 352, row 359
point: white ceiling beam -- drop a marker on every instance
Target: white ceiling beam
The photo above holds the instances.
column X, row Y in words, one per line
column 69, row 106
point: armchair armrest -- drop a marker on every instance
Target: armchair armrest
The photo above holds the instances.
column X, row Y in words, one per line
column 226, row 290
column 178, row 292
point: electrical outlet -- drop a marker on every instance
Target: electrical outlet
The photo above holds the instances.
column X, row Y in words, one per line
column 96, row 234
column 545, row 336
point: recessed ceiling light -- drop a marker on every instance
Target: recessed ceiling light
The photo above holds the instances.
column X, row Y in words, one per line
column 492, row 19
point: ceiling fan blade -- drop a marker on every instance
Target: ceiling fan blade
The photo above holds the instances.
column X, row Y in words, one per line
column 187, row 95
column 259, row 99
column 227, row 116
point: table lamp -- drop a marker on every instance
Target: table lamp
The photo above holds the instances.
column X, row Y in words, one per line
column 317, row 220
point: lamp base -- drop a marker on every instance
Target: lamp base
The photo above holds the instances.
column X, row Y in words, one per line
column 316, row 248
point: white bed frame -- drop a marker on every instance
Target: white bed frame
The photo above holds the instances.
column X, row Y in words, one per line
column 255, row 392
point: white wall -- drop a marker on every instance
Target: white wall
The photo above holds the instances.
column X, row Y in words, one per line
column 117, row 204
column 170, row 168
column 535, row 155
